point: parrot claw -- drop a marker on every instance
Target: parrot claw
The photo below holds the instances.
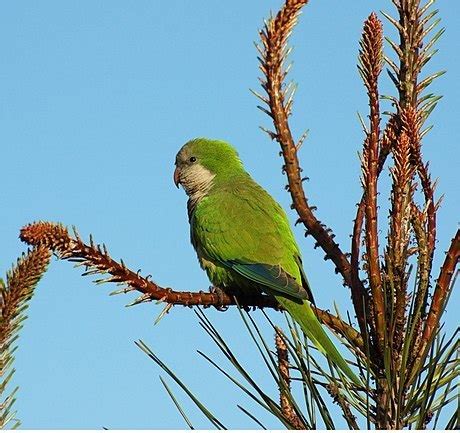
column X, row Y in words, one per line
column 220, row 294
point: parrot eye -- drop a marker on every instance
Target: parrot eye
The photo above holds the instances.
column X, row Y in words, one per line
column 192, row 159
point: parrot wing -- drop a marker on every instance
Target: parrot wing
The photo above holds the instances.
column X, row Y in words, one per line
column 271, row 276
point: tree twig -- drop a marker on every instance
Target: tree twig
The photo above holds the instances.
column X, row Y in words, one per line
column 273, row 54
column 14, row 296
column 386, row 144
column 398, row 240
column 283, row 368
column 97, row 260
column 338, row 398
column 371, row 60
column 440, row 296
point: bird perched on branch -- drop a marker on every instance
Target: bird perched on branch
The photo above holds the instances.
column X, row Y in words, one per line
column 242, row 236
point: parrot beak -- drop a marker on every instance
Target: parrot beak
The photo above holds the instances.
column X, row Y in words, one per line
column 177, row 177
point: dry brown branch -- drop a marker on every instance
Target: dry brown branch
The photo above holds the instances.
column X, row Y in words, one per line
column 360, row 296
column 386, row 144
column 21, row 281
column 14, row 297
column 398, row 238
column 409, row 28
column 420, row 302
column 283, row 368
column 402, row 137
column 428, row 190
column 273, row 54
column 440, row 296
column 412, row 111
column 412, row 122
column 371, row 60
column 97, row 260
column 334, row 392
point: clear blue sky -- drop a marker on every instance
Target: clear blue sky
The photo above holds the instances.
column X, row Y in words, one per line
column 96, row 98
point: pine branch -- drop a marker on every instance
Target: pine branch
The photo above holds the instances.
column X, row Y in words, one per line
column 440, row 297
column 273, row 53
column 285, row 382
column 421, row 296
column 398, row 240
column 96, row 259
column 370, row 67
column 344, row 406
column 402, row 137
column 21, row 281
column 423, row 223
column 412, row 121
column 362, row 298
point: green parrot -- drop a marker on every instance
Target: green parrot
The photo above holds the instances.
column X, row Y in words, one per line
column 242, row 236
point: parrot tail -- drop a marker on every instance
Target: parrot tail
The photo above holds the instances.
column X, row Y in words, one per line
column 303, row 314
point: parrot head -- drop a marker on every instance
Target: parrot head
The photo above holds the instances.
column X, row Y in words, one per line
column 202, row 161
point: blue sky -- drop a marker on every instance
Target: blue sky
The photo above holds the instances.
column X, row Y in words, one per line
column 96, row 99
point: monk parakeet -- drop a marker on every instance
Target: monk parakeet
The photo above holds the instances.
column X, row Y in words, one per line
column 242, row 235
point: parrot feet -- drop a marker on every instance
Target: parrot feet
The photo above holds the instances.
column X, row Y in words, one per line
column 220, row 295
